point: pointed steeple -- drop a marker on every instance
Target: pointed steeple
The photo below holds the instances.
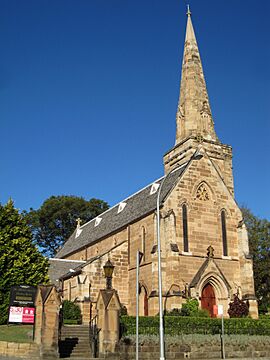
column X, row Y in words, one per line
column 193, row 117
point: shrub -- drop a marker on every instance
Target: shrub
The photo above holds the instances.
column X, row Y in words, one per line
column 202, row 313
column 238, row 308
column 190, row 308
column 71, row 311
column 173, row 312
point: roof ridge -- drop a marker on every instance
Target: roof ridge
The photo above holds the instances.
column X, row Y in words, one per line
column 67, row 260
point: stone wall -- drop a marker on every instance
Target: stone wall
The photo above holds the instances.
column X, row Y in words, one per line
column 91, row 280
column 19, row 350
column 197, row 347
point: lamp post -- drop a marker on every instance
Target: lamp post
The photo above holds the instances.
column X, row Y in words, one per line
column 161, row 328
column 197, row 155
column 108, row 271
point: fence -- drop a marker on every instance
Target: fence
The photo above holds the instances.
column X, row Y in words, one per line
column 178, row 325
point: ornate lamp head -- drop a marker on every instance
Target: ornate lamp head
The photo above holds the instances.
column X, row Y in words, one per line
column 108, row 272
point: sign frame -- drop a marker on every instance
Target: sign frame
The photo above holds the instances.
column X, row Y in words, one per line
column 22, row 305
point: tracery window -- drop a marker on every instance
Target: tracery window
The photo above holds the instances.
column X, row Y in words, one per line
column 202, row 193
column 224, row 233
column 185, row 227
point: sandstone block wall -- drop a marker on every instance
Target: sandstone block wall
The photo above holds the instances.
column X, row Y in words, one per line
column 19, row 350
column 198, row 347
column 88, row 284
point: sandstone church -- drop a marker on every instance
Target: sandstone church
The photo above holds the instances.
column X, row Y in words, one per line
column 204, row 242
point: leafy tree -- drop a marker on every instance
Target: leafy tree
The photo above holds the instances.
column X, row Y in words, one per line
column 54, row 222
column 259, row 246
column 20, row 260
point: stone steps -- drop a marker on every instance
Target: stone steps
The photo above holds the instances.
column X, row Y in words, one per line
column 75, row 343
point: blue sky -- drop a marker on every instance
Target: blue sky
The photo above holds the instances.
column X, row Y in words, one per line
column 89, row 89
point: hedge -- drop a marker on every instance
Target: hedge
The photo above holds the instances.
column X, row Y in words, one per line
column 177, row 325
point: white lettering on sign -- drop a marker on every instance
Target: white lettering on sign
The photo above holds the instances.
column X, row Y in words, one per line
column 15, row 314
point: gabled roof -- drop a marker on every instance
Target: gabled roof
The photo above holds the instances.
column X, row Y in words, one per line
column 107, row 295
column 62, row 269
column 45, row 291
column 203, row 269
column 137, row 206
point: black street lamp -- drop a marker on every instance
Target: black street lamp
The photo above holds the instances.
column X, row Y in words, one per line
column 108, row 271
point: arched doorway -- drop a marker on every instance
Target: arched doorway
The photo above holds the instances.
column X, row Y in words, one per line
column 208, row 299
column 143, row 301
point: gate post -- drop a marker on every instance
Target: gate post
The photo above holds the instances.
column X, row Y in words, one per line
column 47, row 321
column 108, row 307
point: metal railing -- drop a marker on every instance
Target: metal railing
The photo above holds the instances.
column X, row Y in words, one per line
column 93, row 336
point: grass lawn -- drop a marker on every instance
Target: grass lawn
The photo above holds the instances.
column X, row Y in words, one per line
column 16, row 333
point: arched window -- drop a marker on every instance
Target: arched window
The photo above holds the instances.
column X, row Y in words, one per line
column 69, row 290
column 224, row 233
column 143, row 301
column 185, row 227
column 143, row 232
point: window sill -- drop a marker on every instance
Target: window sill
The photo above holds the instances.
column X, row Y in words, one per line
column 188, row 253
column 226, row 257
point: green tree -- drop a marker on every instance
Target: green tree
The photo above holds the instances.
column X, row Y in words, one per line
column 259, row 246
column 20, row 260
column 54, row 222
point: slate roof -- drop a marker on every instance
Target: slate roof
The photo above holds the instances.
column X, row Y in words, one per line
column 137, row 206
column 59, row 267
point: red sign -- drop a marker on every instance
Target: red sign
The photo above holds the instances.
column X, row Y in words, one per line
column 19, row 314
column 28, row 315
column 215, row 310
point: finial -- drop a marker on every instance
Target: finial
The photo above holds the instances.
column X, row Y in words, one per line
column 78, row 222
column 210, row 251
column 188, row 10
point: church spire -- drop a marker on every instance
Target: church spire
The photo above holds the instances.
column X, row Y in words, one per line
column 193, row 117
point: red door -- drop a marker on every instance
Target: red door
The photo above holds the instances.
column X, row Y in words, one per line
column 208, row 299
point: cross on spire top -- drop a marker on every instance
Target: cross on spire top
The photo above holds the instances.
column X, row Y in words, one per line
column 188, row 10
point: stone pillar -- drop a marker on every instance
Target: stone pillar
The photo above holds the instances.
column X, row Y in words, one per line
column 38, row 317
column 47, row 321
column 253, row 308
column 108, row 307
column 86, row 304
